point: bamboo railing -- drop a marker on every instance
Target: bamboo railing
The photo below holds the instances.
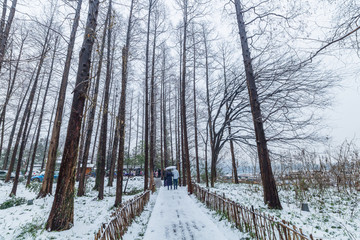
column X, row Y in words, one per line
column 123, row 217
column 259, row 225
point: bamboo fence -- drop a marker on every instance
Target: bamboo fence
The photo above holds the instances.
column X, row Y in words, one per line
column 123, row 217
column 259, row 225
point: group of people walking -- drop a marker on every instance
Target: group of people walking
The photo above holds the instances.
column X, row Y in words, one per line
column 170, row 177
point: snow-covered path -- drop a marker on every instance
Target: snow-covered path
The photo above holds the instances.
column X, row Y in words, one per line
column 177, row 216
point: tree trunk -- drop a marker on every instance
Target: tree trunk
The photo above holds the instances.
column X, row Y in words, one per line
column 91, row 119
column 210, row 123
column 46, row 187
column 29, row 126
column 8, row 95
column 5, row 33
column 82, row 136
column 48, row 135
column 195, row 115
column 3, row 109
column 171, row 136
column 41, row 114
column 101, row 156
column 130, row 118
column 26, row 164
column 137, row 126
column 11, row 136
column 236, row 179
column 12, row 82
column 183, row 104
column 206, row 155
column 233, row 160
column 146, row 167
column 112, row 154
column 152, row 112
column 161, row 132
column 166, row 157
column 3, row 16
column 177, row 134
column 271, row 197
column 62, row 212
column 114, row 150
column 122, row 111
column 183, row 159
column 25, row 121
column 97, row 130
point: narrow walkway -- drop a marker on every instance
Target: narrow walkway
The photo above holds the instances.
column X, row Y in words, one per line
column 176, row 216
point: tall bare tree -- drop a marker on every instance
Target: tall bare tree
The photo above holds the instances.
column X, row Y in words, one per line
column 151, row 5
column 122, row 110
column 183, row 96
column 25, row 121
column 194, row 41
column 163, row 96
column 61, row 216
column 101, row 156
column 12, row 133
column 271, row 197
column 8, row 95
column 46, row 187
column 42, row 113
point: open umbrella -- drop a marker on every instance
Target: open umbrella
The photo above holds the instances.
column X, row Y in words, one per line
column 170, row 168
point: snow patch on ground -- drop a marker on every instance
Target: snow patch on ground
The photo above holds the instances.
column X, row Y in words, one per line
column 28, row 221
column 333, row 214
column 137, row 229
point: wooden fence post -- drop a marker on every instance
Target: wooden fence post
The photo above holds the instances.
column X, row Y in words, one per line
column 254, row 219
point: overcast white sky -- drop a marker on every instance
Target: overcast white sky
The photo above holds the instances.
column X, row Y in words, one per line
column 343, row 117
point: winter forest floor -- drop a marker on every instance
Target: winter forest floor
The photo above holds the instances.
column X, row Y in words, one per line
column 28, row 221
column 333, row 214
column 173, row 214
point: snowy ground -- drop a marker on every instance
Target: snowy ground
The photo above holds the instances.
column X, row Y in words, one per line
column 27, row 221
column 176, row 215
column 332, row 215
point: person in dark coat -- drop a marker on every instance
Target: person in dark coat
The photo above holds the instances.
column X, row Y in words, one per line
column 168, row 178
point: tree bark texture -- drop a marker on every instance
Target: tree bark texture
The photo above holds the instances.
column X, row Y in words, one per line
column 183, row 101
column 48, row 135
column 122, row 112
column 146, row 148
column 3, row 16
column 152, row 112
column 195, row 114
column 46, row 187
column 62, row 212
column 271, row 197
column 166, row 157
column 210, row 123
column 101, row 156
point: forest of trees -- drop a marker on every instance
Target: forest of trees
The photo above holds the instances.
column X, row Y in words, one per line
column 153, row 83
